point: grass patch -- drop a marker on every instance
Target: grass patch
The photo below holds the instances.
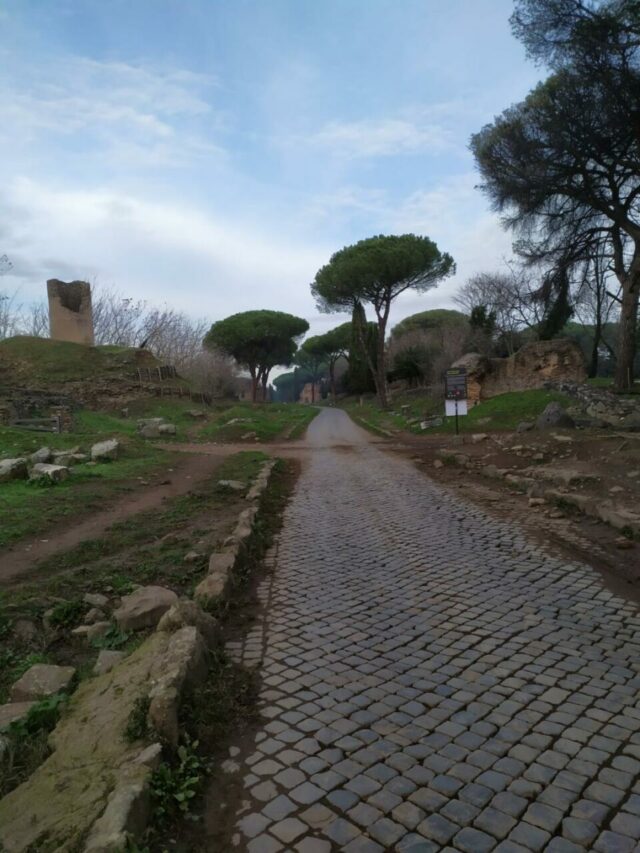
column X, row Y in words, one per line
column 503, row 412
column 28, row 511
column 260, row 421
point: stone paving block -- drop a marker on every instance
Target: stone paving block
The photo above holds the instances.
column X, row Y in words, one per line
column 579, row 831
column 264, row 844
column 612, row 842
column 414, row 843
column 288, row 830
column 531, row 837
column 438, row 828
column 386, row 832
column 471, row 840
column 496, row 823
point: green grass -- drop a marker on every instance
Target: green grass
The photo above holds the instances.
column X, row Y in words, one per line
column 267, row 421
column 28, row 509
column 504, row 412
column 129, row 553
column 41, row 360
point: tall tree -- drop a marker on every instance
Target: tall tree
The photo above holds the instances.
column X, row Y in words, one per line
column 564, row 165
column 258, row 341
column 376, row 271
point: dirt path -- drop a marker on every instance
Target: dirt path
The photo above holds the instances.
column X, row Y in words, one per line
column 181, row 478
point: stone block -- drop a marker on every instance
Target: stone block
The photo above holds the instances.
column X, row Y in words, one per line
column 144, row 607
column 42, row 680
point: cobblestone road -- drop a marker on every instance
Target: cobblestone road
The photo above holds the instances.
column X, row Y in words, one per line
column 430, row 679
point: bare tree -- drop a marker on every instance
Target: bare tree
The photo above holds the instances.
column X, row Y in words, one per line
column 511, row 296
column 211, row 372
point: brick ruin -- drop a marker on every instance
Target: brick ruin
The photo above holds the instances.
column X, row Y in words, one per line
column 70, row 314
column 531, row 367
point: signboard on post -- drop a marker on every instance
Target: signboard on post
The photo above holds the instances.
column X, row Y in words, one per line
column 455, row 383
column 455, row 393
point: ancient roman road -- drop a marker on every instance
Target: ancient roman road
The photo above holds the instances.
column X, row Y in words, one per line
column 431, row 680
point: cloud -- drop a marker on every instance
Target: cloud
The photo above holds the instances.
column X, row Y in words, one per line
column 454, row 214
column 381, row 138
column 198, row 261
column 136, row 113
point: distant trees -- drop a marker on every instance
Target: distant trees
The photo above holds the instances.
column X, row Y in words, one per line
column 376, row 271
column 311, row 356
column 336, row 344
column 563, row 166
column 258, row 341
column 423, row 345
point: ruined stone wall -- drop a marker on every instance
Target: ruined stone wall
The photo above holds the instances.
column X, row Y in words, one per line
column 531, row 367
column 70, row 314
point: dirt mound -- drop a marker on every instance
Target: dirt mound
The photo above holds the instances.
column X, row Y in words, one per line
column 45, row 364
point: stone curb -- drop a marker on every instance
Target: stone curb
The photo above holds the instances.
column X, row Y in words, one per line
column 224, row 564
column 183, row 666
column 603, row 509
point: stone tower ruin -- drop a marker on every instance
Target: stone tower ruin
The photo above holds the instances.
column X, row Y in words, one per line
column 70, row 315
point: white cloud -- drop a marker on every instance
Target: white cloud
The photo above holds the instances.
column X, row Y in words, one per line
column 381, row 138
column 455, row 215
column 194, row 259
column 136, row 113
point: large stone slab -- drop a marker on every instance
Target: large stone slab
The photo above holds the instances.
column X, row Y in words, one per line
column 105, row 451
column 91, row 765
column 144, row 607
column 47, row 471
column 42, row 679
column 13, row 469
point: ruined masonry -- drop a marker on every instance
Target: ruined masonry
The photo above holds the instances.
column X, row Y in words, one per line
column 70, row 314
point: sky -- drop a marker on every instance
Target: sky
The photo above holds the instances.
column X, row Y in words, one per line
column 211, row 155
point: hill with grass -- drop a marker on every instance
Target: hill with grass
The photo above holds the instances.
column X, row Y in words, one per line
column 43, row 363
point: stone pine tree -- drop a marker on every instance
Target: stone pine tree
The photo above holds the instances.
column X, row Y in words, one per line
column 376, row 271
column 258, row 341
column 563, row 166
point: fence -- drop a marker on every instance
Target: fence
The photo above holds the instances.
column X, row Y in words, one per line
column 149, row 374
column 50, row 424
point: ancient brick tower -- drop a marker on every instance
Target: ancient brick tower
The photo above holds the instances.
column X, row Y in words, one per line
column 70, row 316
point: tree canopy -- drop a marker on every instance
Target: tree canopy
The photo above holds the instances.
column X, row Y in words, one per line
column 563, row 166
column 376, row 271
column 258, row 341
column 434, row 319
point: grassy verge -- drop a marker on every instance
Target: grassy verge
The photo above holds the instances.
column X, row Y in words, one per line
column 149, row 547
column 28, row 508
column 259, row 422
column 504, row 412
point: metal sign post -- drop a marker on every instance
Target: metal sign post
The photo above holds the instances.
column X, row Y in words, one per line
column 455, row 393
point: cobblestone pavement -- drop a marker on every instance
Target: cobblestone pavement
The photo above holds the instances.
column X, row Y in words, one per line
column 430, row 679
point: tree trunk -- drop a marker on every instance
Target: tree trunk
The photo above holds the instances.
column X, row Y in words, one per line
column 627, row 335
column 313, row 390
column 381, row 373
column 254, row 384
column 593, row 365
column 332, row 379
